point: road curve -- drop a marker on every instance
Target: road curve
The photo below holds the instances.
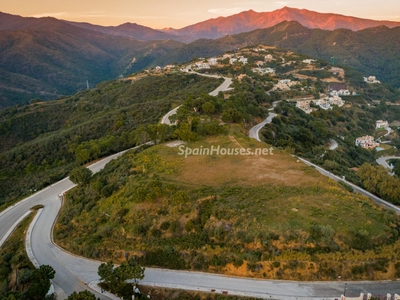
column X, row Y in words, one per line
column 253, row 132
column 223, row 87
column 165, row 119
column 73, row 273
column 383, row 161
column 41, row 245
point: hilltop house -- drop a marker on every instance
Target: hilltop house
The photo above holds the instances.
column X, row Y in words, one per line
column 212, row 61
column 243, row 60
column 304, row 106
column 268, row 58
column 340, row 93
column 323, row 103
column 366, row 142
column 382, row 124
column 263, row 70
column 309, row 61
column 371, row 79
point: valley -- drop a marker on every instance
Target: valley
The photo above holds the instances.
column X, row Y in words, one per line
column 261, row 164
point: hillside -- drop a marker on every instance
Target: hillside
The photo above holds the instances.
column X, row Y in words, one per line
column 47, row 58
column 371, row 51
column 249, row 215
column 234, row 212
column 52, row 58
column 250, row 20
column 41, row 142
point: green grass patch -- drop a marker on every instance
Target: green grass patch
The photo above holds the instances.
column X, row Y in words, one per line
column 231, row 214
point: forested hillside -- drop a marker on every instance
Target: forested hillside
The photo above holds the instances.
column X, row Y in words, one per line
column 52, row 58
column 41, row 142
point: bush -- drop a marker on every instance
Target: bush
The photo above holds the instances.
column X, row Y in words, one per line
column 276, row 264
column 165, row 225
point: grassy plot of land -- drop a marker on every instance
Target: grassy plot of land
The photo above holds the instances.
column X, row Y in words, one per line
column 250, row 215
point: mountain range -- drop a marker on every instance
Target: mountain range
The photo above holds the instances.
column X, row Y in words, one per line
column 46, row 58
column 251, row 20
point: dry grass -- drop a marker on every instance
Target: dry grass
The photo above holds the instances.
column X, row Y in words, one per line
column 276, row 169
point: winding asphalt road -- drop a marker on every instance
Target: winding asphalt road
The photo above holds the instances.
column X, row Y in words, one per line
column 383, row 160
column 254, row 132
column 223, row 87
column 74, row 273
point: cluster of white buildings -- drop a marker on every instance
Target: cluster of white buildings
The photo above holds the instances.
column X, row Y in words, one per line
column 325, row 103
column 240, row 59
column 367, row 141
column 339, row 93
column 263, row 70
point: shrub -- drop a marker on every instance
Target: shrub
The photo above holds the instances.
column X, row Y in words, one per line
column 276, row 264
column 165, row 225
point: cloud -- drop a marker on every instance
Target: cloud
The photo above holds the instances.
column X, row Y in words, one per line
column 54, row 14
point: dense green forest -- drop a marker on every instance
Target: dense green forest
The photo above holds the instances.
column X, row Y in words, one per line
column 51, row 58
column 41, row 142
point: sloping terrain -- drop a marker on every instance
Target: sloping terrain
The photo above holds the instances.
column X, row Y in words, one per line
column 371, row 51
column 53, row 58
column 249, row 215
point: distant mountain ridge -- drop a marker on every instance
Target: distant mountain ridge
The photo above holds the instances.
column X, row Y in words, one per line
column 131, row 30
column 250, row 20
column 215, row 28
column 372, row 51
column 46, row 58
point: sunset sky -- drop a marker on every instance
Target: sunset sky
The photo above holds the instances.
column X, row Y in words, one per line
column 180, row 13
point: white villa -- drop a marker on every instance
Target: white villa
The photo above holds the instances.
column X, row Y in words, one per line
column 212, row 61
column 304, row 106
column 371, row 79
column 268, row 57
column 201, row 65
column 169, row 67
column 285, row 85
column 263, row 70
column 309, row 61
column 243, row 60
column 336, row 100
column 366, row 142
column 382, row 124
column 340, row 93
column 325, row 103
